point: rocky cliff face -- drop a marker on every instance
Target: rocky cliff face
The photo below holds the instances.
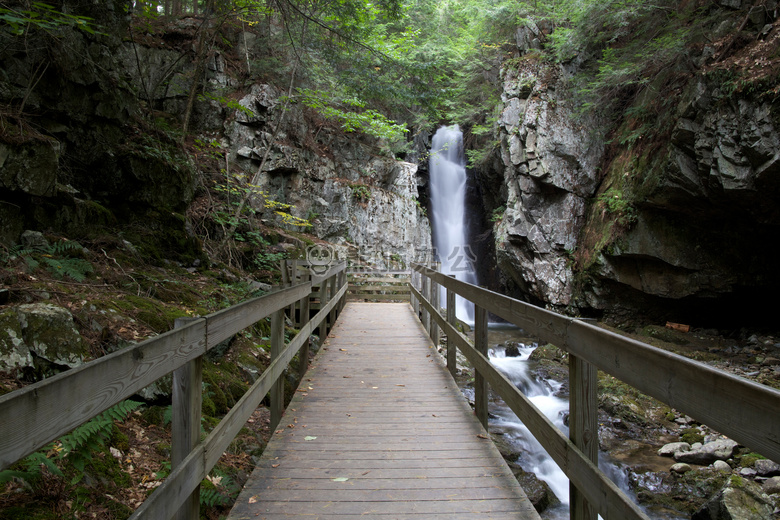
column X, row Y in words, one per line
column 681, row 225
column 358, row 198
column 102, row 150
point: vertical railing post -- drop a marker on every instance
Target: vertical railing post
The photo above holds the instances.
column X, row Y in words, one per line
column 277, row 389
column 426, row 293
column 323, row 297
column 303, row 353
column 452, row 320
column 480, row 383
column 344, row 281
column 334, row 289
column 187, row 399
column 435, row 292
column 583, row 426
column 415, row 301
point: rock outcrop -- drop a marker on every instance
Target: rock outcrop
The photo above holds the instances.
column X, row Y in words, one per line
column 679, row 223
column 364, row 203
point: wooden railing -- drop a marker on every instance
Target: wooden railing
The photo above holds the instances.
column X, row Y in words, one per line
column 745, row 411
column 376, row 286
column 37, row 414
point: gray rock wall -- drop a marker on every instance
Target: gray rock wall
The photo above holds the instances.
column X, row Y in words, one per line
column 699, row 235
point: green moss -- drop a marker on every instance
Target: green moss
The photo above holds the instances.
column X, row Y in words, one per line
column 153, row 415
column 208, row 408
column 749, row 459
column 119, row 440
column 159, row 316
column 691, row 436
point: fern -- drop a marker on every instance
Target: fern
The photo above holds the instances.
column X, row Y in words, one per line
column 80, row 444
column 77, row 447
column 54, row 258
column 213, row 498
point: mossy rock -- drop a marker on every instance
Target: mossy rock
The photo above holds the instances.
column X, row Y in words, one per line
column 664, row 334
column 691, row 436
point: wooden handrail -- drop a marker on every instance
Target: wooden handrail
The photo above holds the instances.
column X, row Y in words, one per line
column 35, row 415
column 745, row 411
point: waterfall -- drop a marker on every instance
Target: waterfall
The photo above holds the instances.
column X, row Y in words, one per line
column 448, row 205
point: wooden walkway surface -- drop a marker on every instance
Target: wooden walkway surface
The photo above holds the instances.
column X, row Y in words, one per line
column 380, row 430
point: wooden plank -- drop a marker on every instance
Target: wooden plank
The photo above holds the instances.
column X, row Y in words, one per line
column 378, row 297
column 385, row 420
column 366, row 288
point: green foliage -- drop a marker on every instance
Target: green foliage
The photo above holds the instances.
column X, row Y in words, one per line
column 497, row 214
column 351, row 114
column 613, row 202
column 77, row 448
column 361, row 193
column 43, row 16
column 229, row 103
column 54, row 258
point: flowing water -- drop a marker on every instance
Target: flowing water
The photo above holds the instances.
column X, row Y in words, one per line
column 448, row 195
column 542, row 393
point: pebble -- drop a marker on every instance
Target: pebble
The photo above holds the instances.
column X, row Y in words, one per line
column 680, row 468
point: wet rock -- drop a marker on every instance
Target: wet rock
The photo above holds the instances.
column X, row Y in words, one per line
column 740, row 499
column 722, row 449
column 512, row 350
column 537, row 490
column 680, row 468
column 673, row 448
column 767, row 468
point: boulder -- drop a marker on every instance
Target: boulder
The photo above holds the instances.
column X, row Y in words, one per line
column 767, row 468
column 673, row 448
column 740, row 499
column 680, row 468
column 40, row 338
column 722, row 449
column 771, row 486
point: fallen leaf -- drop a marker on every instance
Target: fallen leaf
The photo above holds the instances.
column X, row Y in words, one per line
column 340, row 479
column 309, row 438
column 482, row 436
column 275, row 465
column 252, row 500
column 400, row 385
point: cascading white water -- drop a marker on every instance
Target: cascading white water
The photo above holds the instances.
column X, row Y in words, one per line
column 542, row 395
column 448, row 205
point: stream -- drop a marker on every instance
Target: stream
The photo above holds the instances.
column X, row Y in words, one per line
column 544, row 393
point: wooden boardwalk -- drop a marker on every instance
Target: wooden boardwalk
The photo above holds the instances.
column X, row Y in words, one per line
column 380, row 430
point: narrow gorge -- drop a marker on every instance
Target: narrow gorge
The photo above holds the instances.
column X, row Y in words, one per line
column 613, row 161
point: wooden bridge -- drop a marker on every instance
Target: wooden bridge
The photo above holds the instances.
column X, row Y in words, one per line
column 378, row 428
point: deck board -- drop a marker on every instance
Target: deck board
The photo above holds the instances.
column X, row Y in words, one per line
column 379, row 429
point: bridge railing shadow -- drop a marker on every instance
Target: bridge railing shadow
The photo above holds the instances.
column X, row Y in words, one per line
column 745, row 411
column 33, row 416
